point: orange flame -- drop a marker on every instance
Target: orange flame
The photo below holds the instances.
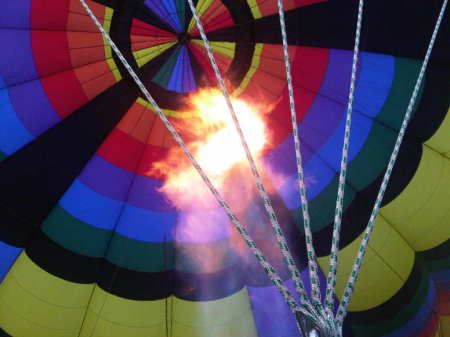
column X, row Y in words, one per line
column 217, row 147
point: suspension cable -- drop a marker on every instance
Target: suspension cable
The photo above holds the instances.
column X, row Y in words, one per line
column 259, row 183
column 349, row 288
column 312, row 264
column 268, row 268
column 333, row 267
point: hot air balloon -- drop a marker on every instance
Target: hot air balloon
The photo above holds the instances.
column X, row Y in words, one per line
column 106, row 232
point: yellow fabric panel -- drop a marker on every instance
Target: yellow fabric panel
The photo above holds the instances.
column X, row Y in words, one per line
column 36, row 303
column 228, row 317
column 444, row 326
column 253, row 67
column 201, row 7
column 440, row 141
column 114, row 70
column 253, row 4
column 112, row 316
column 166, row 112
column 145, row 55
column 386, row 266
column 224, row 48
column 108, row 52
column 421, row 213
column 107, row 26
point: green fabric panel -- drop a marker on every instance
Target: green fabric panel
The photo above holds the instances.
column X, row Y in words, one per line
column 163, row 75
column 393, row 111
column 181, row 12
column 140, row 255
column 321, row 208
column 374, row 155
column 74, row 234
column 403, row 316
column 2, row 156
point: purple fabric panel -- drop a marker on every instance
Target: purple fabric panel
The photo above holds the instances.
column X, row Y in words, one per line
column 161, row 10
column 15, row 14
column 106, row 179
column 271, row 313
column 17, row 69
column 32, row 107
column 113, row 182
column 145, row 194
column 322, row 118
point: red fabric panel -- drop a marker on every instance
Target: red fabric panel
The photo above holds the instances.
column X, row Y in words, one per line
column 270, row 7
column 268, row 89
column 141, row 28
column 122, row 150
column 52, row 57
column 431, row 327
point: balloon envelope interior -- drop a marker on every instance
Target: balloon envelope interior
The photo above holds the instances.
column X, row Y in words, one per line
column 99, row 238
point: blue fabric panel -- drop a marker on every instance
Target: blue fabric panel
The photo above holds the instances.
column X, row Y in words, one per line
column 91, row 207
column 322, row 164
column 188, row 78
column 144, row 225
column 13, row 134
column 177, row 71
column 167, row 12
column 171, row 8
column 8, row 254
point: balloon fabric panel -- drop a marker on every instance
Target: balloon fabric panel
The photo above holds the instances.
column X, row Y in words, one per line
column 91, row 246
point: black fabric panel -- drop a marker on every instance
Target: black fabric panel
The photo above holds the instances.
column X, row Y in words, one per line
column 401, row 28
column 241, row 15
column 357, row 214
column 433, row 106
column 133, row 284
column 61, row 262
column 396, row 303
column 120, row 34
column 200, row 78
column 431, row 111
column 437, row 253
column 188, row 14
column 3, row 333
column 34, row 178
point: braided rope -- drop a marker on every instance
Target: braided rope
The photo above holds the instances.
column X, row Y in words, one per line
column 268, row 268
column 348, row 292
column 260, row 186
column 312, row 264
column 333, row 267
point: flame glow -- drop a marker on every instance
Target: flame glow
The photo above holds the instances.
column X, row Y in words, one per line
column 218, row 148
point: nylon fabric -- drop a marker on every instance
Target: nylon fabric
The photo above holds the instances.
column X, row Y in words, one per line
column 346, row 297
column 260, row 186
column 333, row 267
column 268, row 268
